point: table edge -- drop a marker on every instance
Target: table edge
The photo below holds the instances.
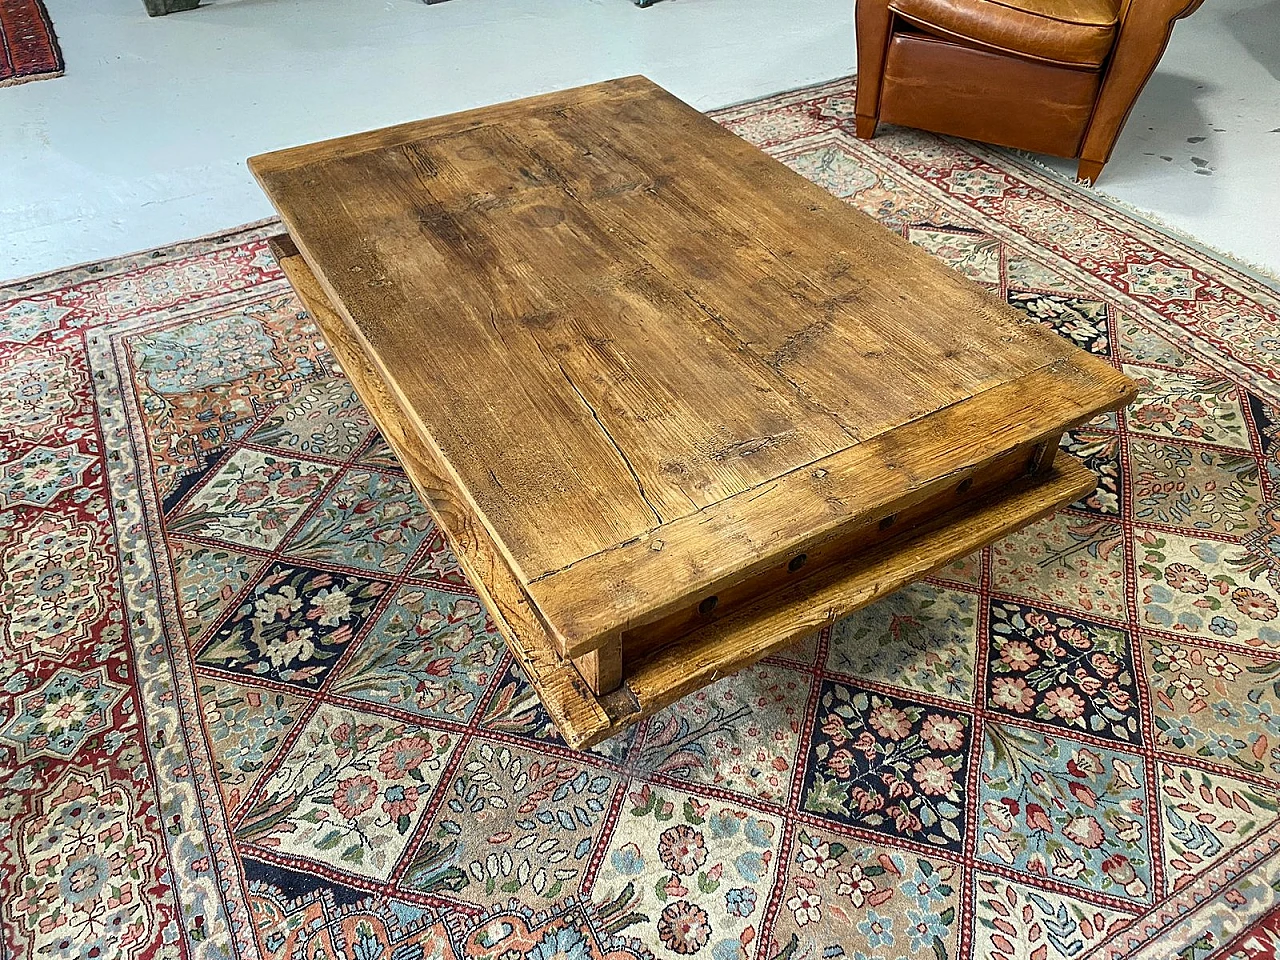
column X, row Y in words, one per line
column 287, row 159
column 590, row 601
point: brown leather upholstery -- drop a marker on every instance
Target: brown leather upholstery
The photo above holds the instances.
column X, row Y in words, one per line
column 1020, row 99
column 1053, row 76
column 1073, row 32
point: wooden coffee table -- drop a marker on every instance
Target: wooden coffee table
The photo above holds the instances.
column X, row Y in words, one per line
column 674, row 406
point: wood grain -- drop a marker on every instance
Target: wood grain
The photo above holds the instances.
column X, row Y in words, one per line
column 607, row 313
column 601, row 668
column 567, row 698
column 834, row 498
column 729, row 645
column 722, row 595
column 718, row 649
column 652, row 382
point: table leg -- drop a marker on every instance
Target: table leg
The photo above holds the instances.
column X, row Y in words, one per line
column 602, row 668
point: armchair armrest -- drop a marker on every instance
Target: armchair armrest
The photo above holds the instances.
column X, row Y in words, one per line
column 1145, row 28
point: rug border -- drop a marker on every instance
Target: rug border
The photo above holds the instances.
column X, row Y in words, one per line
column 844, row 77
column 1254, row 271
column 59, row 70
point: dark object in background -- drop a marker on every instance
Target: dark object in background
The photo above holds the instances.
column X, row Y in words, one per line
column 158, row 8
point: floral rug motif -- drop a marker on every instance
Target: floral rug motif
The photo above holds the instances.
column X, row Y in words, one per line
column 250, row 707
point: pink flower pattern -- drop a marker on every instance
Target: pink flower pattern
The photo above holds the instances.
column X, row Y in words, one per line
column 903, row 768
column 1062, row 671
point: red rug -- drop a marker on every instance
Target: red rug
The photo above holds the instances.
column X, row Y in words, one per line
column 250, row 708
column 28, row 48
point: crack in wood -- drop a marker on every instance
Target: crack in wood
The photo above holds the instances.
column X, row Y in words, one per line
column 644, row 495
column 741, row 449
column 745, row 347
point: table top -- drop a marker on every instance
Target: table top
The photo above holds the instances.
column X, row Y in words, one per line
column 649, row 354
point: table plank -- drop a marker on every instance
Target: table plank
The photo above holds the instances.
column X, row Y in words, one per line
column 806, row 284
column 721, row 648
column 739, row 537
column 616, row 324
column 727, row 646
column 568, row 700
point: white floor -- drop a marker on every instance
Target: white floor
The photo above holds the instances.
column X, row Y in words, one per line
column 143, row 141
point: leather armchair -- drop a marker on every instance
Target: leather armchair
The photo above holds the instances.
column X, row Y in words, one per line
column 1049, row 76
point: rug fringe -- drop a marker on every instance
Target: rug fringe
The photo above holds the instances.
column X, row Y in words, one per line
column 804, row 87
column 31, row 78
column 1260, row 272
column 1263, row 274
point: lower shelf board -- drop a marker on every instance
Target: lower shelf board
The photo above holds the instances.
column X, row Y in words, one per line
column 787, row 616
column 722, row 646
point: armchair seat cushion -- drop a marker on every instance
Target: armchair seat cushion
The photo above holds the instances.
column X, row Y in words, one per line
column 1076, row 33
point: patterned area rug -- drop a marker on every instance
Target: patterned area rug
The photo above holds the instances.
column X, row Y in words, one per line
column 28, row 48
column 250, row 707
